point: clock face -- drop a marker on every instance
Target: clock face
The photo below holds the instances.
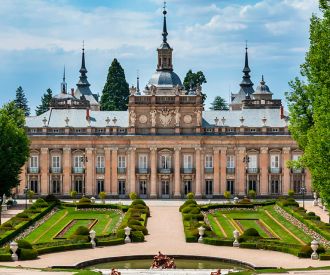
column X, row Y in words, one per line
column 187, row 119
column 143, row 119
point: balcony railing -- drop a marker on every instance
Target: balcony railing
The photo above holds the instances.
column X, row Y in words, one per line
column 121, row 170
column 55, row 170
column 142, row 171
column 33, row 170
column 164, row 170
column 188, row 170
column 78, row 170
column 297, row 171
column 275, row 170
column 208, row 170
column 252, row 170
column 100, row 170
column 230, row 170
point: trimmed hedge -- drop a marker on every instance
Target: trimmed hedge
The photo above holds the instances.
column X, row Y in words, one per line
column 220, row 205
column 137, row 236
column 214, row 241
column 5, row 257
column 324, row 257
column 27, row 254
column 67, row 247
column 110, row 242
column 99, row 206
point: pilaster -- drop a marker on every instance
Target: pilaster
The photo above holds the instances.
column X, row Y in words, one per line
column 44, row 170
column 67, row 170
column 286, row 156
column 241, row 171
column 132, row 176
column 223, row 172
column 264, row 166
column 107, row 172
column 90, row 172
column 216, row 171
column 114, row 175
column 177, row 193
column 153, row 171
column 198, row 193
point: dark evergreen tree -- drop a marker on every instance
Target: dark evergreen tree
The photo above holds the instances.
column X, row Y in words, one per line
column 14, row 147
column 192, row 79
column 45, row 102
column 218, row 104
column 21, row 101
column 309, row 104
column 116, row 90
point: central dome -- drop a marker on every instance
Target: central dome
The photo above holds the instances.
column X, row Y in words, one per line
column 164, row 79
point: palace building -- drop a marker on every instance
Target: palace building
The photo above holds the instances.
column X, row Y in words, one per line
column 165, row 145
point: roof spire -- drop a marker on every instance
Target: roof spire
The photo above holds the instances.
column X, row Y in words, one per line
column 246, row 84
column 83, row 69
column 246, row 66
column 164, row 34
column 137, row 83
column 63, row 84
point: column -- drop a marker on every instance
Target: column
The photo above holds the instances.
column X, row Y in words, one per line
column 177, row 192
column 67, row 170
column 223, row 170
column 90, row 172
column 286, row 156
column 107, row 172
column 44, row 170
column 22, row 179
column 198, row 172
column 264, row 166
column 308, row 181
column 216, row 172
column 241, row 173
column 114, row 176
column 153, row 172
column 132, row 170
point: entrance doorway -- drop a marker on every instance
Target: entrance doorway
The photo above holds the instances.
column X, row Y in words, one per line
column 143, row 188
column 187, row 186
column 165, row 189
column 78, row 186
column 121, row 188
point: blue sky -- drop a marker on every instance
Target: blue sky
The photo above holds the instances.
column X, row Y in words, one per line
column 37, row 38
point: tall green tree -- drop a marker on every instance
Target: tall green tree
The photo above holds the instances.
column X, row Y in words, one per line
column 309, row 104
column 191, row 81
column 219, row 104
column 45, row 102
column 116, row 90
column 21, row 101
column 14, row 147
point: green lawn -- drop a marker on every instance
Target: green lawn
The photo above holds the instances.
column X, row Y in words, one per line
column 105, row 221
column 271, row 225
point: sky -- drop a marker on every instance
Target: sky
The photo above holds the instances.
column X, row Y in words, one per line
column 38, row 38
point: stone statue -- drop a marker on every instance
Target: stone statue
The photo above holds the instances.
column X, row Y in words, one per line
column 177, row 90
column 132, row 117
column 132, row 90
column 198, row 117
column 115, row 272
column 153, row 118
column 177, row 117
column 4, row 199
column 198, row 89
column 162, row 261
column 153, row 89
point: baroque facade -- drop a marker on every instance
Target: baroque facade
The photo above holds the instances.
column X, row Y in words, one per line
column 166, row 145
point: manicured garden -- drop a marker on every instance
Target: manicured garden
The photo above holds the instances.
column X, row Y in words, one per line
column 53, row 226
column 274, row 225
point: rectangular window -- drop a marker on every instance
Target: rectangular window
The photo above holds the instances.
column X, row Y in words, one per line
column 100, row 161
column 275, row 161
column 253, row 163
column 208, row 161
column 231, row 161
column 34, row 162
column 34, row 186
column 187, row 161
column 56, row 162
column 143, row 161
column 143, row 187
column 230, row 186
column 165, row 162
column 100, row 186
column 56, row 186
column 78, row 161
column 121, row 162
column 121, row 187
column 296, row 157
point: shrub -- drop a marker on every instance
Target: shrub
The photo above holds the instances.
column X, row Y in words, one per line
column 30, row 195
column 190, row 196
column 227, row 195
column 27, row 254
column 24, row 244
column 102, row 196
column 5, row 257
column 306, row 251
column 120, row 233
column 139, row 228
column 7, row 226
column 310, row 214
column 252, row 194
column 137, row 236
column 40, row 203
column 73, row 194
column 251, row 232
column 50, row 198
column 85, row 200
column 290, row 193
column 186, row 203
column 132, row 196
column 244, row 201
column 81, row 230
column 22, row 215
column 133, row 222
column 138, row 201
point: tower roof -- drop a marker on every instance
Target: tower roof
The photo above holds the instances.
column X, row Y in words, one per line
column 262, row 88
column 246, row 83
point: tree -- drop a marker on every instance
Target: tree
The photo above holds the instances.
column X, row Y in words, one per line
column 309, row 104
column 116, row 90
column 21, row 101
column 192, row 79
column 45, row 102
column 219, row 104
column 14, row 147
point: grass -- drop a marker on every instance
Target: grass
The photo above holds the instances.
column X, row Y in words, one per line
column 249, row 219
column 46, row 232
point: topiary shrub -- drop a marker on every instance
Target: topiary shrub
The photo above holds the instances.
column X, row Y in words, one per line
column 190, row 196
column 245, row 201
column 227, row 195
column 137, row 236
column 187, row 203
column 22, row 215
column 82, row 230
column 120, row 233
column 311, row 214
column 251, row 232
column 132, row 196
column 50, row 198
column 40, row 203
column 290, row 193
column 24, row 244
column 306, row 251
column 85, row 200
column 252, row 194
column 133, row 222
column 27, row 254
column 7, row 226
column 138, row 201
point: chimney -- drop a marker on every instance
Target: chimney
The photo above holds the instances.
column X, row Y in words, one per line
column 282, row 112
column 87, row 114
column 72, row 91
